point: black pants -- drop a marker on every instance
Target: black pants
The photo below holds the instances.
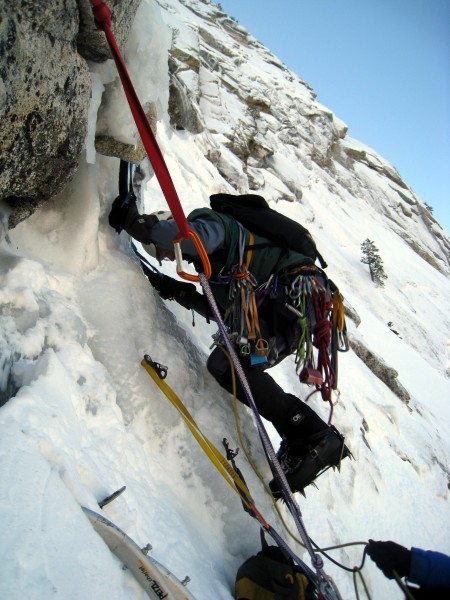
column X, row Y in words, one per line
column 291, row 417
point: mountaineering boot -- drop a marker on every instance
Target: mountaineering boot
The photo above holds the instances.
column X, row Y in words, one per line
column 304, row 460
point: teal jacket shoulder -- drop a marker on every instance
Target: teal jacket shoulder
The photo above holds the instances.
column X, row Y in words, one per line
column 266, row 260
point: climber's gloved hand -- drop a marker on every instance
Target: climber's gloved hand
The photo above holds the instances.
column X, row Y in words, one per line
column 119, row 210
column 181, row 291
column 169, row 288
column 389, row 557
column 156, row 279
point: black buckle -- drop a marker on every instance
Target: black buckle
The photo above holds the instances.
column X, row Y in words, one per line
column 161, row 370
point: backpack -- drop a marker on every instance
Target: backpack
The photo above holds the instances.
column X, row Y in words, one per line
column 254, row 213
column 269, row 575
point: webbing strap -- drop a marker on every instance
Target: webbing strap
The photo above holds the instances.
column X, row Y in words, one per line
column 102, row 17
column 230, row 475
column 249, row 249
column 216, row 457
column 338, row 314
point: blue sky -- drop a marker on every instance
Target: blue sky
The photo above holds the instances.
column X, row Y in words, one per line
column 381, row 66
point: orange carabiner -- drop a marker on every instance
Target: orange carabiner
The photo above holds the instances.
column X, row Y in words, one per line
column 201, row 251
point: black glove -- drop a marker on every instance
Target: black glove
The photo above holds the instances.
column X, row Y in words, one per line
column 389, row 557
column 169, row 288
column 182, row 292
column 119, row 210
column 161, row 283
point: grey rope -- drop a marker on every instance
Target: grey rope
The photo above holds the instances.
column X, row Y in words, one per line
column 316, row 560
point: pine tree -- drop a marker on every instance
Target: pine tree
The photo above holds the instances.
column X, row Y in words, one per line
column 373, row 259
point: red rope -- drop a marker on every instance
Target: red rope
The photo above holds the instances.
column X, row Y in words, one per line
column 102, row 17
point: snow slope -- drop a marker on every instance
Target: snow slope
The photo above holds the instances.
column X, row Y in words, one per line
column 82, row 417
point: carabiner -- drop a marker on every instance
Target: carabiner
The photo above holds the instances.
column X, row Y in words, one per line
column 245, row 350
column 261, row 347
column 201, row 251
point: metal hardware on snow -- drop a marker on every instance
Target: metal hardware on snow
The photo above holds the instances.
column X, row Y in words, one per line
column 146, row 549
column 231, row 454
column 161, row 370
column 112, row 496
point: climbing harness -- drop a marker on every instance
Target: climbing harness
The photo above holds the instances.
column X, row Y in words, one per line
column 102, row 17
column 318, row 306
column 318, row 331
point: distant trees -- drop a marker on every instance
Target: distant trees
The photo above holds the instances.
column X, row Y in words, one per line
column 372, row 258
column 429, row 208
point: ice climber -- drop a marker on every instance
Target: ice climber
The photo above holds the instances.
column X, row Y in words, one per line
column 253, row 282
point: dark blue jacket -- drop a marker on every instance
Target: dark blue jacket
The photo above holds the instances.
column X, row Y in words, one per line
column 429, row 569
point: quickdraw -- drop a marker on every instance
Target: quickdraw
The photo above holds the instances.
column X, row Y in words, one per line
column 241, row 316
column 338, row 318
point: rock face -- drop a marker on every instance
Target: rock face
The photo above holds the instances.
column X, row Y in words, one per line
column 109, row 146
column 44, row 102
column 263, row 128
column 45, row 93
column 91, row 42
column 183, row 110
column 376, row 364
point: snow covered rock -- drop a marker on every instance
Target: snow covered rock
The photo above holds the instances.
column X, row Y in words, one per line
column 45, row 94
column 376, row 364
column 91, row 42
column 43, row 102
